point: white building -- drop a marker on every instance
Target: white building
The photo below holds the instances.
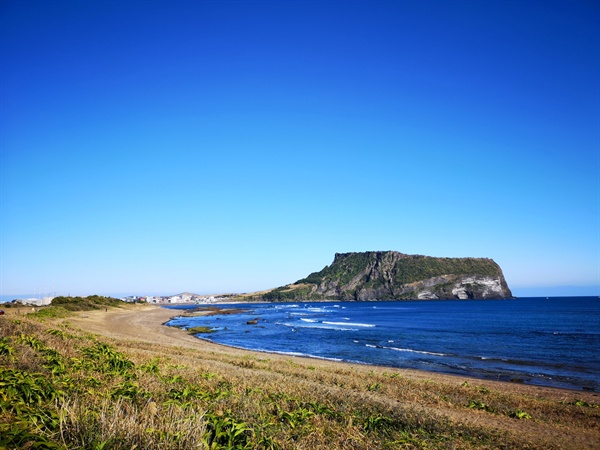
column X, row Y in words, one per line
column 35, row 301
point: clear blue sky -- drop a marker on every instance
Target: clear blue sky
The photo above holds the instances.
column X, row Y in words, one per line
column 152, row 147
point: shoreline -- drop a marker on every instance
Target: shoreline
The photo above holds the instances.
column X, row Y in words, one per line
column 430, row 408
column 514, row 377
column 147, row 323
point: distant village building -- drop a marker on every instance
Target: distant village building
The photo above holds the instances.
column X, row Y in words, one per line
column 185, row 297
column 34, row 301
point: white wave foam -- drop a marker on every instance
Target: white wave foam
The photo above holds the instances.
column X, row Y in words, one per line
column 350, row 324
column 302, row 355
column 317, row 325
column 410, row 350
column 281, row 352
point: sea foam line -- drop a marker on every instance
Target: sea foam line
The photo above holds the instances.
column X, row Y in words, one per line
column 409, row 350
column 416, row 351
column 319, row 325
column 350, row 324
column 303, row 355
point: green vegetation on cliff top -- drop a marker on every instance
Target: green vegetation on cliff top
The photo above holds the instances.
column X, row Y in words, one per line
column 407, row 269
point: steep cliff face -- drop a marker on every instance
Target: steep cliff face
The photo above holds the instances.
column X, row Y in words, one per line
column 393, row 276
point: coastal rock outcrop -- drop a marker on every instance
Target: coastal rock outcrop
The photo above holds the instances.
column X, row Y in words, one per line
column 390, row 275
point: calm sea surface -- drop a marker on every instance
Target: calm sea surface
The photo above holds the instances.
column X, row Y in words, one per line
column 553, row 342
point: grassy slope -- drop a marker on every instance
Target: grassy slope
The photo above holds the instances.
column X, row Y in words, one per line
column 65, row 388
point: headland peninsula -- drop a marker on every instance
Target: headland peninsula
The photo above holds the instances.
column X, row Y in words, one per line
column 391, row 275
column 113, row 376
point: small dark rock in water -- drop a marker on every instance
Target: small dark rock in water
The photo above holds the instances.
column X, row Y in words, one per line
column 252, row 322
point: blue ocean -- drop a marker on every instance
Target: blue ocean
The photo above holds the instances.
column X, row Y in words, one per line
column 542, row 341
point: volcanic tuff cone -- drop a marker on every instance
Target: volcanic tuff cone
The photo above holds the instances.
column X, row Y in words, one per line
column 391, row 275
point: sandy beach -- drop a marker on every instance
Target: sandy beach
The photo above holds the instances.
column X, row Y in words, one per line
column 141, row 328
column 145, row 323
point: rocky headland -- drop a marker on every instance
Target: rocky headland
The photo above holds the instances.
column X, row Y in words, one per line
column 391, row 275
